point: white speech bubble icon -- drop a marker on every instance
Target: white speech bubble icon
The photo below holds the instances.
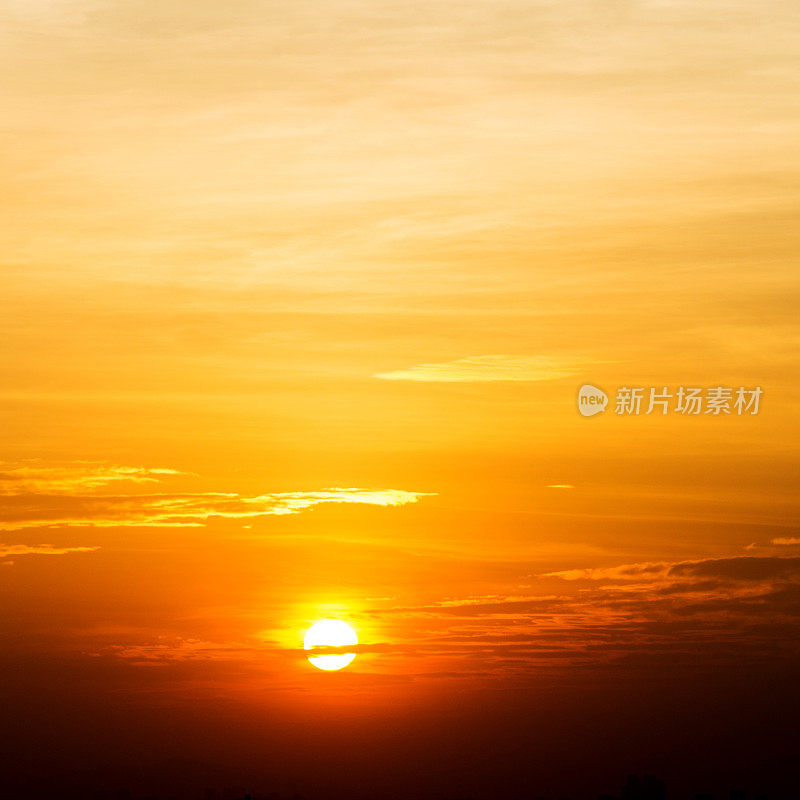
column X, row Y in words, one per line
column 591, row 400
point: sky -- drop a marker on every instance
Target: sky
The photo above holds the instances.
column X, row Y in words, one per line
column 298, row 300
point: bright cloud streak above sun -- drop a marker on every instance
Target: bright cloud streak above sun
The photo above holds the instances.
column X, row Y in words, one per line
column 76, row 476
column 35, row 497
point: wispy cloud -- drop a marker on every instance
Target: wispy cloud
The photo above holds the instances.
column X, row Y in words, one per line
column 621, row 572
column 699, row 611
column 16, row 478
column 178, row 510
column 39, row 497
column 165, row 650
column 786, row 540
column 487, row 368
column 294, row 502
column 7, row 550
column 740, row 568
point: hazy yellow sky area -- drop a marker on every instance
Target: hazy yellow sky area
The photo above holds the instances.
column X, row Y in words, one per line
column 298, row 297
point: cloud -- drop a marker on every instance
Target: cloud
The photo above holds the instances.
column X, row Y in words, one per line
column 179, row 510
column 702, row 611
column 487, row 368
column 39, row 497
column 786, row 540
column 621, row 572
column 165, row 650
column 7, row 550
column 75, row 476
column 742, row 568
column 560, row 486
column 294, row 502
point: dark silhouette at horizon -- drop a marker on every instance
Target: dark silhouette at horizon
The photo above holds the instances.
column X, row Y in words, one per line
column 646, row 787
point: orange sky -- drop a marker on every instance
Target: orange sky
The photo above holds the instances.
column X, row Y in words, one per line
column 298, row 297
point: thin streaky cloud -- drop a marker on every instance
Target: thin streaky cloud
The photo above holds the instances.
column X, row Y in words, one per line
column 68, row 495
column 487, row 368
column 181, row 649
column 294, row 502
column 19, row 478
column 662, row 607
column 7, row 550
column 736, row 568
column 622, row 572
column 178, row 510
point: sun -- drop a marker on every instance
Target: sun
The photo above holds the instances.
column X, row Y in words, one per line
column 330, row 633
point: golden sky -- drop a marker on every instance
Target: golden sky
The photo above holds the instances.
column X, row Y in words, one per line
column 298, row 298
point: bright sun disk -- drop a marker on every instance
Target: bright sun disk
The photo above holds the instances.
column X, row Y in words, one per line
column 330, row 633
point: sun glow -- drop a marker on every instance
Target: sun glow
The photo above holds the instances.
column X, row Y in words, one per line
column 330, row 633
